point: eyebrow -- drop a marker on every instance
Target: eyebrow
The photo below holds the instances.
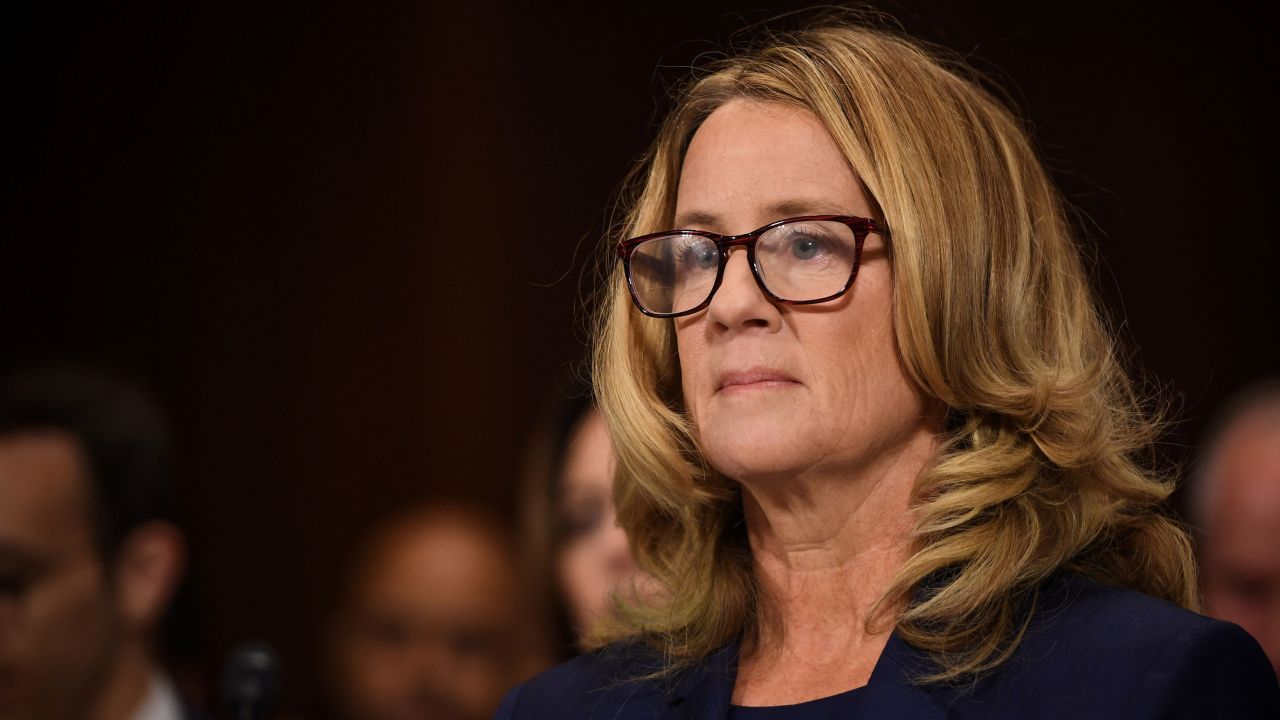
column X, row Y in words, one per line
column 776, row 211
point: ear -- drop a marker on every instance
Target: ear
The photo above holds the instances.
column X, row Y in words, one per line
column 148, row 568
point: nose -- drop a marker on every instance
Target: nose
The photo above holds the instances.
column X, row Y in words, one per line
column 740, row 303
column 433, row 657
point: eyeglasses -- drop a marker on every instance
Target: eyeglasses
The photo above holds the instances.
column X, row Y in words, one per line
column 801, row 260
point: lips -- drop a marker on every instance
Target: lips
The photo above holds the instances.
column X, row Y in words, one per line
column 753, row 378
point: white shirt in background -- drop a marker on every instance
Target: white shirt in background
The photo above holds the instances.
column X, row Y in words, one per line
column 161, row 702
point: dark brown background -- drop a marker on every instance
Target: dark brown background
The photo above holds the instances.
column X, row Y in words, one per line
column 344, row 244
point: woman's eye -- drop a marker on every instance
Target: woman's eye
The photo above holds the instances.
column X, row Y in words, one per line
column 700, row 255
column 707, row 258
column 806, row 247
column 802, row 243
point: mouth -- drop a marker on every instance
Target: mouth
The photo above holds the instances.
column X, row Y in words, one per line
column 754, row 379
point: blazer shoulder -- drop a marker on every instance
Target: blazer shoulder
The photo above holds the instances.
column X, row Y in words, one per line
column 1087, row 616
column 1100, row 651
column 1216, row 669
column 603, row 683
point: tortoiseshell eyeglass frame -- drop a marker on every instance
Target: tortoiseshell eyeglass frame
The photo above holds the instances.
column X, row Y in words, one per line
column 861, row 227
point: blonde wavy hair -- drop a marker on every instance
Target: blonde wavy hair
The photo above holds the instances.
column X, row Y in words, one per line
column 1043, row 462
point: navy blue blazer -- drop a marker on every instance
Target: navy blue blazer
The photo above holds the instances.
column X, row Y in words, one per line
column 1090, row 651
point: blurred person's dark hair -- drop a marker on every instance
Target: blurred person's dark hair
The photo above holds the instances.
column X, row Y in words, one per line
column 115, row 424
column 542, row 527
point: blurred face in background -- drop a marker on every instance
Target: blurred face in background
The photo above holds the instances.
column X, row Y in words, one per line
column 1240, row 555
column 593, row 558
column 58, row 624
column 431, row 625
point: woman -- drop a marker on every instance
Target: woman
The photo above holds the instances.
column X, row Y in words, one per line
column 878, row 452
column 575, row 553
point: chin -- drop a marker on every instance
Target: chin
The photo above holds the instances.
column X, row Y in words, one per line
column 756, row 451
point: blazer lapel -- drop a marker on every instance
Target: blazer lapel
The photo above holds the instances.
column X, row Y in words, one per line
column 891, row 694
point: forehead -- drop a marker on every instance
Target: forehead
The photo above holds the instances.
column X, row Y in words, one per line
column 43, row 498
column 751, row 158
column 1244, row 514
column 438, row 565
column 1249, row 471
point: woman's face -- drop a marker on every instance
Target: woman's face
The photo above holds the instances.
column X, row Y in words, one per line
column 594, row 558
column 787, row 391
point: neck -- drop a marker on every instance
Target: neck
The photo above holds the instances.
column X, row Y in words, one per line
column 125, row 686
column 825, row 549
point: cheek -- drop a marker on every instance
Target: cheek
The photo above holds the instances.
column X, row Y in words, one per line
column 67, row 633
column 842, row 361
column 862, row 401
column 374, row 672
column 583, row 580
column 692, row 350
column 861, row 368
column 1240, row 609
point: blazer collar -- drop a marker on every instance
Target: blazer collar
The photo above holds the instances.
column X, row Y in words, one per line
column 705, row 691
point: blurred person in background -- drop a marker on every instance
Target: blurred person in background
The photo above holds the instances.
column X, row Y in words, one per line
column 87, row 561
column 576, row 554
column 431, row 621
column 1236, row 509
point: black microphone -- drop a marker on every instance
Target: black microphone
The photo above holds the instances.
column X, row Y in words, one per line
column 251, row 682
